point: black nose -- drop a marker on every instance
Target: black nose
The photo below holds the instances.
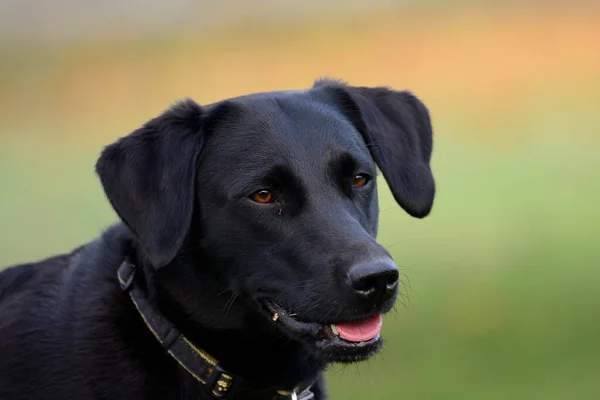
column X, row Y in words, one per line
column 375, row 281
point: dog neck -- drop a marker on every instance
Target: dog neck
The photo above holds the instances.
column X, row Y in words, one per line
column 222, row 326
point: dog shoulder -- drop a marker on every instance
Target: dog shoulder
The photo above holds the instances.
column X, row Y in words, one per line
column 18, row 279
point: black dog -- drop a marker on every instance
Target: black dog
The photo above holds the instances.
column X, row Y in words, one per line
column 245, row 261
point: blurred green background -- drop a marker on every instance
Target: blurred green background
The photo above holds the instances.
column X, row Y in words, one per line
column 501, row 282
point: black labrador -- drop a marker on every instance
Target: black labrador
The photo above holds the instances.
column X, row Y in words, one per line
column 245, row 260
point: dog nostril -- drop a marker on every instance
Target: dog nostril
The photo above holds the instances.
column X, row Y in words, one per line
column 365, row 285
column 392, row 280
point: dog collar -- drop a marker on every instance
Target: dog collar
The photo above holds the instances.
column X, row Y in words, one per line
column 205, row 369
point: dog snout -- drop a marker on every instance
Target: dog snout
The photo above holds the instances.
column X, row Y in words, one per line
column 375, row 281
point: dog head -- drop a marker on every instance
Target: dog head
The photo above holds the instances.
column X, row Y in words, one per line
column 279, row 190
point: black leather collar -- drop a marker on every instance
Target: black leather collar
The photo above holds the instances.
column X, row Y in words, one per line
column 200, row 365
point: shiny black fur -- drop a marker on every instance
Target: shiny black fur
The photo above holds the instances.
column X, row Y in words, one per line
column 180, row 185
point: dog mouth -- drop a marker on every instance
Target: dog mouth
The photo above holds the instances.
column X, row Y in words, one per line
column 339, row 341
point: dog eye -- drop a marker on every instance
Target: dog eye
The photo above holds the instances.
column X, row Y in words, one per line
column 360, row 180
column 263, row 196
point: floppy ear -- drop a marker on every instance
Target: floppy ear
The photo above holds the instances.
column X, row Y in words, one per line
column 148, row 177
column 396, row 127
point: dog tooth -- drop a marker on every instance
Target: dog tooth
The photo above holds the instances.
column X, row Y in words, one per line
column 334, row 330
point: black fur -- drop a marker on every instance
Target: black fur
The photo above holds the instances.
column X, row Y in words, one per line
column 209, row 255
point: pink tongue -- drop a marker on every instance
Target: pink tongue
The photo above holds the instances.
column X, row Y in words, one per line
column 360, row 331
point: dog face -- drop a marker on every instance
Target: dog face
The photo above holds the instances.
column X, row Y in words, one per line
column 280, row 191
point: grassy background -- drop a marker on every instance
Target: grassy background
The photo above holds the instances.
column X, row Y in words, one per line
column 501, row 282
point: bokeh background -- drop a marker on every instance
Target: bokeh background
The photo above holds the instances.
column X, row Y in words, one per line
column 501, row 292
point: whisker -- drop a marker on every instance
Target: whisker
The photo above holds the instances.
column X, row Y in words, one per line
column 228, row 306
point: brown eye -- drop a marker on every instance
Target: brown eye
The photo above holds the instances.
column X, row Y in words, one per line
column 360, row 180
column 263, row 196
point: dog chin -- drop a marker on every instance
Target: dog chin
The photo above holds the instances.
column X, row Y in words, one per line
column 330, row 342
